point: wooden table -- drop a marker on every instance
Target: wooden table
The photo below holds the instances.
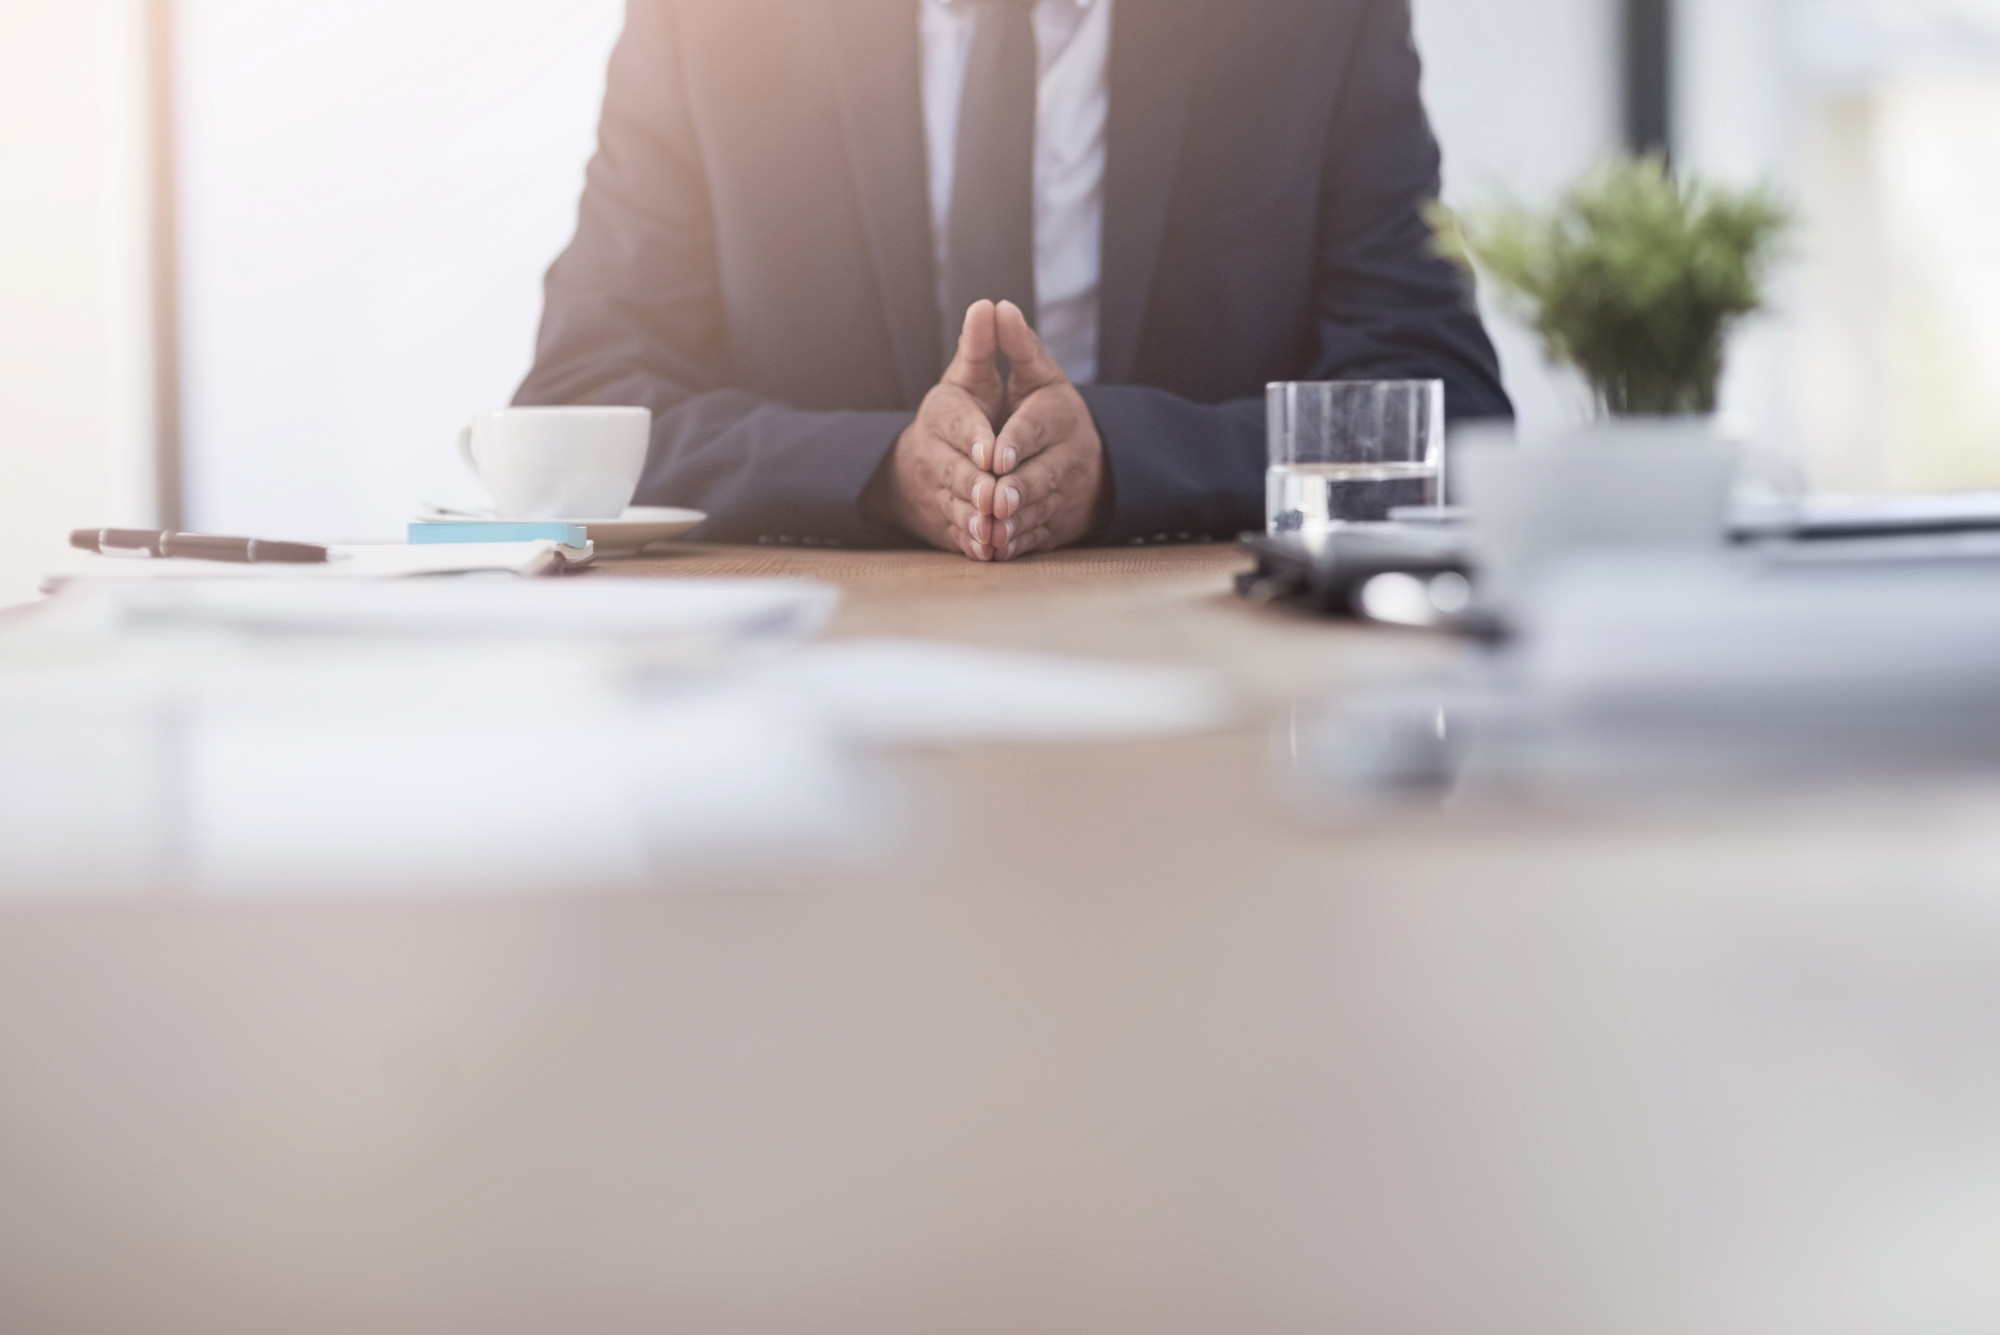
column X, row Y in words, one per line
column 1118, row 1043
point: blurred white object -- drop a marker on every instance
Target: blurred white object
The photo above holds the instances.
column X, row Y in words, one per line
column 1465, row 440
column 902, row 692
column 1646, row 673
column 593, row 795
column 1636, row 672
column 447, row 768
column 424, row 736
column 1628, row 628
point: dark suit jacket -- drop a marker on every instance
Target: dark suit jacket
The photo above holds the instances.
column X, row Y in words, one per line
column 754, row 258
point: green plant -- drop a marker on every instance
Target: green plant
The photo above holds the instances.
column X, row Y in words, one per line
column 1636, row 277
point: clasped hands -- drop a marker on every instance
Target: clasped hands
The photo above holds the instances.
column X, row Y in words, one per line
column 998, row 466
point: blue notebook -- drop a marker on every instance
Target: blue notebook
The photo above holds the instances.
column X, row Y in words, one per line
column 501, row 530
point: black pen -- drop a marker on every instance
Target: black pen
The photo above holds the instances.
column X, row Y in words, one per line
column 193, row 547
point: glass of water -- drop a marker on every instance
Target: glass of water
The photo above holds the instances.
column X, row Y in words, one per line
column 1350, row 452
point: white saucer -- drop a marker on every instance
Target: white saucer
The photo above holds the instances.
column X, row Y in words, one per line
column 639, row 528
column 628, row 535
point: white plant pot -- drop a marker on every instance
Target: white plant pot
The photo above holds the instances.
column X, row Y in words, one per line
column 1625, row 487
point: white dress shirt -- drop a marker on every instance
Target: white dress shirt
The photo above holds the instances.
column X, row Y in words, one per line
column 1074, row 103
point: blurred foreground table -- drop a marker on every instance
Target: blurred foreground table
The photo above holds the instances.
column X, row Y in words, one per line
column 1119, row 1042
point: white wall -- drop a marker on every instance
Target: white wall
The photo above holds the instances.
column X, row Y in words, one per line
column 1881, row 118
column 1737, row 105
column 372, row 190
column 1525, row 95
column 76, row 416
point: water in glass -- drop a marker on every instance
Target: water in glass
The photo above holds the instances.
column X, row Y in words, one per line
column 1304, row 498
column 1351, row 452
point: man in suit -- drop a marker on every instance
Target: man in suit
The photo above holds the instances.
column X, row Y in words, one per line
column 999, row 276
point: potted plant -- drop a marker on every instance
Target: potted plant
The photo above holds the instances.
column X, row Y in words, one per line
column 1637, row 278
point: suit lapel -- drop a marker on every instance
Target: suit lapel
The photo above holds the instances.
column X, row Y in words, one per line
column 877, row 54
column 1155, row 48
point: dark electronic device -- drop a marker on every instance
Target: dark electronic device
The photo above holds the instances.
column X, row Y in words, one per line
column 1394, row 572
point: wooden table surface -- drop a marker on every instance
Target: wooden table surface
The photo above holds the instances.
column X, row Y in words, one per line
column 1117, row 1043
column 1153, row 604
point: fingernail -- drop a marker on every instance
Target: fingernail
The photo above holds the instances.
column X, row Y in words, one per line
column 981, row 452
column 1013, row 499
column 1010, row 534
column 1008, row 458
column 1010, row 551
column 979, row 494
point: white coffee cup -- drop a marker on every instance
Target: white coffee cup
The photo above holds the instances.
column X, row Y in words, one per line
column 559, row 463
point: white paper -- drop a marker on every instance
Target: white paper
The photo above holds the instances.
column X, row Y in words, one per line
column 573, row 610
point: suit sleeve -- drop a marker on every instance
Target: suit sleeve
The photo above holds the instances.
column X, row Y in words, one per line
column 634, row 316
column 1386, row 309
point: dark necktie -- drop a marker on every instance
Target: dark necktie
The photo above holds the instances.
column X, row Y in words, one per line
column 991, row 254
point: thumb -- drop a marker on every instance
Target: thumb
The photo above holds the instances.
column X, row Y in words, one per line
column 978, row 343
column 1033, row 368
